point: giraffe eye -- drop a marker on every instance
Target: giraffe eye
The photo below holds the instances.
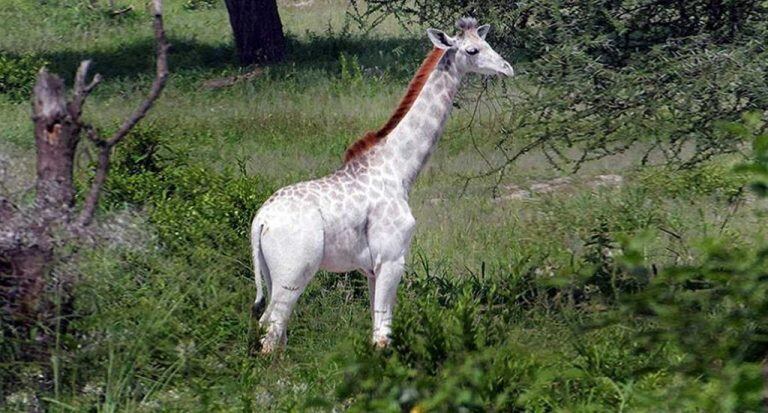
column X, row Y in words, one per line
column 472, row 51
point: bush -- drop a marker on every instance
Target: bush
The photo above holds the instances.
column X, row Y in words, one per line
column 187, row 204
column 711, row 179
column 687, row 338
column 713, row 312
column 714, row 315
column 612, row 30
column 462, row 344
column 604, row 273
column 18, row 74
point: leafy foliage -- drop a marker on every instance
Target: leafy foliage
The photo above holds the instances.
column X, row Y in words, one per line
column 610, row 75
column 17, row 75
column 188, row 204
column 455, row 351
column 706, row 322
column 607, row 276
column 715, row 312
column 613, row 29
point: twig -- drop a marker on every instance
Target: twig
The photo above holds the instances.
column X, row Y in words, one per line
column 732, row 210
column 670, row 233
column 115, row 13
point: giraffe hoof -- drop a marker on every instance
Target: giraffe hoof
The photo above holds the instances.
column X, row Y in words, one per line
column 382, row 342
column 267, row 349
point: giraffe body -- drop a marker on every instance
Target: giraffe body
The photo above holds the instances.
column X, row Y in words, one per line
column 358, row 218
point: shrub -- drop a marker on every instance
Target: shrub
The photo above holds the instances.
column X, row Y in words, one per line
column 688, row 338
column 18, row 74
column 351, row 71
column 462, row 344
column 716, row 179
column 188, row 204
column 613, row 30
column 713, row 312
column 605, row 275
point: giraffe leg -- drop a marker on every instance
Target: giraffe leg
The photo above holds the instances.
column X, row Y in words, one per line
column 282, row 302
column 387, row 279
column 293, row 250
column 371, row 291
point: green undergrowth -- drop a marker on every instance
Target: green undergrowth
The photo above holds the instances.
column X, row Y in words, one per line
column 187, row 203
column 17, row 75
column 166, row 325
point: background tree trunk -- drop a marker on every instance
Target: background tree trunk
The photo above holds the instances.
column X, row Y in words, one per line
column 258, row 31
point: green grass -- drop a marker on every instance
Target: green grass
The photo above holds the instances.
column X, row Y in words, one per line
column 491, row 289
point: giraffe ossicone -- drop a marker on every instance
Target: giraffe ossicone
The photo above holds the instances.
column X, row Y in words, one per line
column 358, row 218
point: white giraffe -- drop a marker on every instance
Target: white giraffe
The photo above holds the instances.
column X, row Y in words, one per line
column 358, row 217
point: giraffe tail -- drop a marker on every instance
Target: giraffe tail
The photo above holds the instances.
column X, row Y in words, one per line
column 260, row 270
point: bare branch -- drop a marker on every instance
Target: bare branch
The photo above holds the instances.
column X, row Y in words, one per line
column 82, row 74
column 115, row 13
column 102, row 169
column 105, row 146
column 82, row 90
column 157, row 85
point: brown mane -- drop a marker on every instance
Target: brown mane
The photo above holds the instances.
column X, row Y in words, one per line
column 371, row 138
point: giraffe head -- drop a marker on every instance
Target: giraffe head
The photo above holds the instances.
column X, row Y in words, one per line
column 469, row 50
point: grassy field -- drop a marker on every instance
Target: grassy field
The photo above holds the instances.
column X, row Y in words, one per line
column 163, row 321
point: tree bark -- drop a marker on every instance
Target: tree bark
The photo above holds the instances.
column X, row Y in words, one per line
column 25, row 283
column 56, row 137
column 257, row 30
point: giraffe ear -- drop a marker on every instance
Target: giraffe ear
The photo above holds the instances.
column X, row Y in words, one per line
column 440, row 39
column 483, row 30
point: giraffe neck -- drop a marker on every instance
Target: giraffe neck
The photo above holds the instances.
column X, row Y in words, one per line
column 407, row 148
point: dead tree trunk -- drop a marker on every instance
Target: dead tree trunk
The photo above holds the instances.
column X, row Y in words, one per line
column 257, row 30
column 27, row 240
column 57, row 133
